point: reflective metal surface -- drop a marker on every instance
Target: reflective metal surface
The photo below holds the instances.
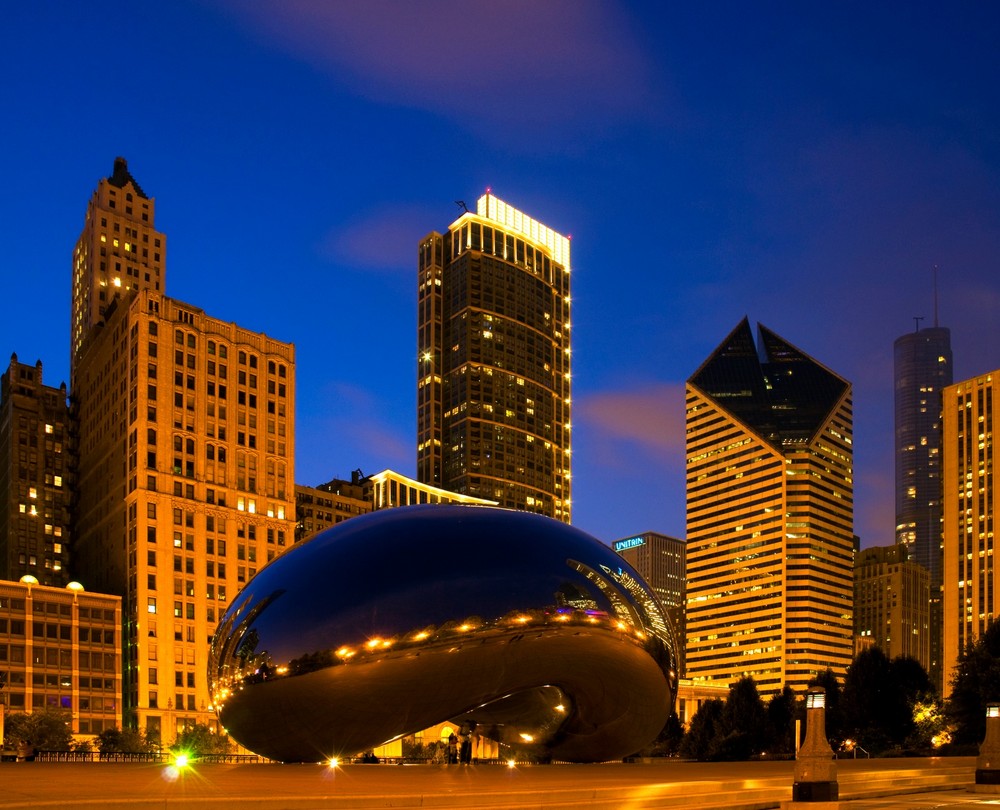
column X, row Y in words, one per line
column 395, row 621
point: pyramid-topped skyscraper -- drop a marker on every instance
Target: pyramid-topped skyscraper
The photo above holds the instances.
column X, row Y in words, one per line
column 770, row 535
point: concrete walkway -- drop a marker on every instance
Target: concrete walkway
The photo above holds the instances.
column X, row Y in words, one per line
column 909, row 783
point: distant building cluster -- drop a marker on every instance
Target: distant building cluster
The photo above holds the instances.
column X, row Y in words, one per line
column 161, row 478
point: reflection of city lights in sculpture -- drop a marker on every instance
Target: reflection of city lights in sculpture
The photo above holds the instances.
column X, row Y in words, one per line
column 529, row 630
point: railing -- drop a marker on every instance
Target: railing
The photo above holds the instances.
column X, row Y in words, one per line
column 156, row 756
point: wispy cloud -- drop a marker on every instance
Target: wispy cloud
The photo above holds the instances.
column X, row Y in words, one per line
column 518, row 66
column 385, row 240
column 649, row 419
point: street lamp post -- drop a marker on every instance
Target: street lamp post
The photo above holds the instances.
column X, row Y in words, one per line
column 988, row 761
column 815, row 784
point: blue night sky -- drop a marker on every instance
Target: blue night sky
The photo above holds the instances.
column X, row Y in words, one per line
column 805, row 164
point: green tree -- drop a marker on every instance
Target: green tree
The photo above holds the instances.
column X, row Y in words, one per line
column 199, row 740
column 743, row 728
column 910, row 686
column 46, row 730
column 668, row 741
column 867, row 696
column 700, row 740
column 780, row 722
column 123, row 741
column 834, row 720
column 879, row 698
column 931, row 728
column 975, row 683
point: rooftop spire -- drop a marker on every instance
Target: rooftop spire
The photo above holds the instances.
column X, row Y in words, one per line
column 121, row 177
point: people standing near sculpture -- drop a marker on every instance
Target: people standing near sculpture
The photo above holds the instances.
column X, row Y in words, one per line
column 452, row 748
column 465, row 742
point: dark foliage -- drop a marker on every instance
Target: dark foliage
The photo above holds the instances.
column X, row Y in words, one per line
column 976, row 682
column 700, row 740
column 45, row 730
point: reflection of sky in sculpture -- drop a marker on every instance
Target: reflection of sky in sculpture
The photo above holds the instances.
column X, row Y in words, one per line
column 433, row 581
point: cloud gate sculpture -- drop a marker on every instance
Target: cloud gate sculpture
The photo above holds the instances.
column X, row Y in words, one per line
column 392, row 622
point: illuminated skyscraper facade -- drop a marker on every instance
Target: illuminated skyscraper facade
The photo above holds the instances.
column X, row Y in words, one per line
column 493, row 379
column 971, row 591
column 118, row 250
column 770, row 514
column 35, row 476
column 185, row 486
column 892, row 603
column 922, row 369
column 185, row 457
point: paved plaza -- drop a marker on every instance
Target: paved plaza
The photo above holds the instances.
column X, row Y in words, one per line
column 638, row 786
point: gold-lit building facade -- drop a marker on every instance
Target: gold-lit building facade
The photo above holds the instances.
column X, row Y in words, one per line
column 494, row 360
column 118, row 250
column 770, row 542
column 35, row 476
column 60, row 648
column 186, row 464
column 969, row 507
column 892, row 596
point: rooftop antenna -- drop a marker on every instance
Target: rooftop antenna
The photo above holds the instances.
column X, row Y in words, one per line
column 461, row 204
column 916, row 322
column 935, row 296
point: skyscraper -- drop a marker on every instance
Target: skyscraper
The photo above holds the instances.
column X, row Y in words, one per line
column 118, row 250
column 970, row 504
column 185, row 486
column 891, row 603
column 185, row 462
column 493, row 380
column 922, row 369
column 769, row 515
column 35, row 476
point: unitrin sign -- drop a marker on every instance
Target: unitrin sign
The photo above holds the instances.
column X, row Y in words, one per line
column 632, row 542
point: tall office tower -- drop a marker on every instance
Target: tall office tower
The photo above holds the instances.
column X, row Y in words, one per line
column 922, row 369
column 770, row 510
column 186, row 458
column 661, row 561
column 892, row 603
column 35, row 478
column 493, row 379
column 970, row 505
column 118, row 250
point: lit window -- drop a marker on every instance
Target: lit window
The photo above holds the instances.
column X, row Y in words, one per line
column 48, row 428
column 58, row 480
column 32, row 492
column 151, row 604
